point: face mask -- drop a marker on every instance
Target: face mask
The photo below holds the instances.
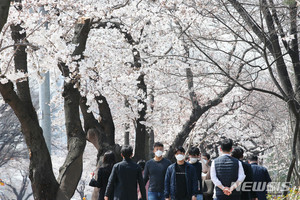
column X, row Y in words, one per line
column 193, row 160
column 158, row 153
column 204, row 161
column 179, row 157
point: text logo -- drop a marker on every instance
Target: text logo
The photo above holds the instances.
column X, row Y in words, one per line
column 264, row 186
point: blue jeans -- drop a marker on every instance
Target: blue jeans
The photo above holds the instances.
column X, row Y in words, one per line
column 155, row 195
column 199, row 196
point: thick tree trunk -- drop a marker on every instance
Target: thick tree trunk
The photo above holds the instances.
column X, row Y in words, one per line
column 126, row 136
column 106, row 121
column 41, row 175
column 150, row 142
column 184, row 133
column 295, row 123
column 43, row 181
column 127, row 126
column 4, row 9
column 70, row 172
column 101, row 134
column 20, row 59
column 97, row 135
column 150, row 130
column 140, row 138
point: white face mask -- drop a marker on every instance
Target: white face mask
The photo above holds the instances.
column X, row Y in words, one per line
column 179, row 157
column 193, row 160
column 204, row 161
column 158, row 153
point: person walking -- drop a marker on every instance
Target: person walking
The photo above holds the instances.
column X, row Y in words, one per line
column 206, row 163
column 207, row 184
column 246, row 189
column 261, row 178
column 180, row 179
column 125, row 175
column 104, row 173
column 194, row 155
column 226, row 170
column 155, row 170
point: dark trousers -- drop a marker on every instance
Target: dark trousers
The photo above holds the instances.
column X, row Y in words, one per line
column 231, row 197
column 185, row 198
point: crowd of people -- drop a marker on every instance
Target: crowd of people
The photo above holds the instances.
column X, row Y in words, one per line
column 194, row 176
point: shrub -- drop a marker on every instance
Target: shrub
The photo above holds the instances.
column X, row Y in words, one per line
column 293, row 194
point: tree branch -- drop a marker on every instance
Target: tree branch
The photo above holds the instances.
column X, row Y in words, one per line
column 197, row 112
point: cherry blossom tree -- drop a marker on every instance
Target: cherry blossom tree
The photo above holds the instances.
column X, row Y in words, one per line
column 175, row 78
column 264, row 38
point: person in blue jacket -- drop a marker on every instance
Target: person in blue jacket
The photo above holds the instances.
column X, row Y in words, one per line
column 181, row 179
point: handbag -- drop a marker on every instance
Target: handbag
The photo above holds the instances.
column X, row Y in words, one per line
column 93, row 182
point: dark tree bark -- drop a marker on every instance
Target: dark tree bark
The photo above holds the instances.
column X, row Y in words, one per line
column 70, row 172
column 126, row 126
column 95, row 134
column 20, row 59
column 100, row 133
column 150, row 131
column 141, row 138
column 294, row 153
column 4, row 9
column 44, row 184
column 106, row 121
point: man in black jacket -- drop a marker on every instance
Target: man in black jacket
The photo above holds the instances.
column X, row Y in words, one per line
column 194, row 155
column 180, row 179
column 124, row 178
column 246, row 188
column 261, row 178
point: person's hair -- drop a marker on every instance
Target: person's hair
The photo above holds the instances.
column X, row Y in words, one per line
column 158, row 144
column 226, row 145
column 253, row 158
column 237, row 152
column 194, row 151
column 206, row 155
column 180, row 148
column 109, row 158
column 126, row 151
column 141, row 163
